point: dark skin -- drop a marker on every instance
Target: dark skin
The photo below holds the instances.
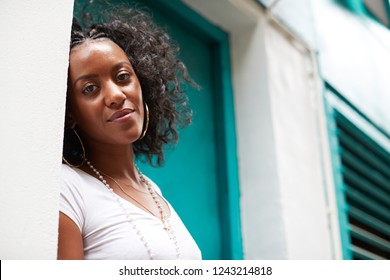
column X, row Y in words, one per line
column 107, row 106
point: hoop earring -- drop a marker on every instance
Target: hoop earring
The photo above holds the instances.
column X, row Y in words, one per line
column 145, row 129
column 74, row 154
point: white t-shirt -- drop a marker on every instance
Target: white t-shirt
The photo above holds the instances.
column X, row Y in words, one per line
column 107, row 233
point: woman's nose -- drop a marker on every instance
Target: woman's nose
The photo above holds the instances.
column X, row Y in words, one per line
column 114, row 97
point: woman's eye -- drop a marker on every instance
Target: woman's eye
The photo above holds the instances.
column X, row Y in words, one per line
column 123, row 76
column 88, row 89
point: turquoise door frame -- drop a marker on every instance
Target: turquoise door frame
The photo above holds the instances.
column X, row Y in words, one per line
column 228, row 184
column 340, row 188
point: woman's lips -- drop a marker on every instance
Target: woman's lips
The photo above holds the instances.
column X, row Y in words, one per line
column 121, row 115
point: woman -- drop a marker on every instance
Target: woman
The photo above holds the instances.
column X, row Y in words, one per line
column 124, row 99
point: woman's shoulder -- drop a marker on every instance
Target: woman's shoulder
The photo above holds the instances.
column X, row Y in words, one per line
column 76, row 184
column 73, row 177
column 70, row 178
column 72, row 195
column 72, row 173
column 67, row 170
column 69, row 175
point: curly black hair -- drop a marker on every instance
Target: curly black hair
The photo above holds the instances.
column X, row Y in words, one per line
column 162, row 76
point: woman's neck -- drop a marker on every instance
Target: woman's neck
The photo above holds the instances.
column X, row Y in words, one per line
column 115, row 161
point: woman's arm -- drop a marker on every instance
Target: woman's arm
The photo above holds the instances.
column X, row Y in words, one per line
column 70, row 242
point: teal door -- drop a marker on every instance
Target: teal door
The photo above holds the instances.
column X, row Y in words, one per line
column 189, row 178
column 199, row 177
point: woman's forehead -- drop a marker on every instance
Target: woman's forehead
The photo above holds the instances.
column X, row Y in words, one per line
column 94, row 56
column 99, row 46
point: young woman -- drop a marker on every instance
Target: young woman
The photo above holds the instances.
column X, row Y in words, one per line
column 124, row 99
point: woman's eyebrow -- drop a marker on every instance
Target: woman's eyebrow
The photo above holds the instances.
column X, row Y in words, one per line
column 120, row 64
column 90, row 76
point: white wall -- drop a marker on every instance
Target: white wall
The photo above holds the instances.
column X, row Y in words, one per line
column 355, row 57
column 287, row 206
column 263, row 227
column 296, row 99
column 297, row 16
column 354, row 51
column 33, row 71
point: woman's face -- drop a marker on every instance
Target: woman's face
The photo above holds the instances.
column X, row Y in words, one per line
column 104, row 93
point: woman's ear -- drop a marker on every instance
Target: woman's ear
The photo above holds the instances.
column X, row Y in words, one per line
column 70, row 121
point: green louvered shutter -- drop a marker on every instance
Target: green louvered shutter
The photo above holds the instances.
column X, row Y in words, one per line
column 366, row 177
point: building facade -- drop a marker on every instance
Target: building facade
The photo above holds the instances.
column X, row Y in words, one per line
column 288, row 156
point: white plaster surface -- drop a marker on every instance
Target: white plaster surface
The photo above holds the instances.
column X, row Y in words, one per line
column 292, row 81
column 33, row 72
column 261, row 209
column 354, row 54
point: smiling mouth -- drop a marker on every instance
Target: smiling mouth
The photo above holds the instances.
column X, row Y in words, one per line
column 121, row 115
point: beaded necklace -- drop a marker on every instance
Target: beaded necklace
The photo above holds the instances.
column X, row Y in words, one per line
column 127, row 194
column 164, row 219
